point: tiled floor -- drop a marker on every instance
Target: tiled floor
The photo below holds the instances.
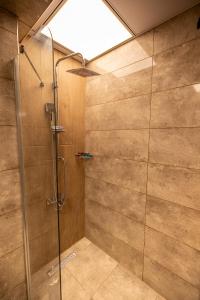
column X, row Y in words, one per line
column 92, row 275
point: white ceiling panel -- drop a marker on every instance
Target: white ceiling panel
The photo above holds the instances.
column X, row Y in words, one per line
column 143, row 15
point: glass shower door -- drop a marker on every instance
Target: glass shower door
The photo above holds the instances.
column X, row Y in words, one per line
column 37, row 150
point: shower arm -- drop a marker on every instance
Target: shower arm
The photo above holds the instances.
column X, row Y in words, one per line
column 64, row 58
column 71, row 55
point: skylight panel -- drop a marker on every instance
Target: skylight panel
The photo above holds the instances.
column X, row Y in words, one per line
column 88, row 27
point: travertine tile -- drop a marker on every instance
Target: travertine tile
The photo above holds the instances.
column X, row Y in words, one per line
column 71, row 288
column 130, row 81
column 131, row 144
column 8, row 21
column 119, row 226
column 177, row 257
column 178, row 107
column 127, row 256
column 132, row 113
column 12, row 271
column 7, row 88
column 177, row 67
column 84, row 268
column 122, row 285
column 167, row 283
column 178, row 147
column 176, row 31
column 28, row 13
column 17, row 293
column 178, row 185
column 11, row 234
column 137, row 49
column 10, row 192
column 8, row 51
column 7, row 110
column 125, row 173
column 174, row 220
column 124, row 201
column 9, row 151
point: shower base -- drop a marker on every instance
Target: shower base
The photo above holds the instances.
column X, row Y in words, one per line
column 91, row 274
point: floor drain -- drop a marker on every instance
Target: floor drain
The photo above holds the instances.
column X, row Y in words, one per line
column 64, row 262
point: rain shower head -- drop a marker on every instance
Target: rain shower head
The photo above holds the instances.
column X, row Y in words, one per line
column 83, row 72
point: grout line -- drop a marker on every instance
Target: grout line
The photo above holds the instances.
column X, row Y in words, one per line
column 114, row 237
column 173, row 238
column 80, row 284
column 119, row 100
column 110, row 183
column 172, row 202
column 104, row 156
column 13, row 169
column 123, row 67
column 152, row 55
column 8, row 125
column 117, row 212
column 153, row 260
column 148, row 157
column 175, row 46
column 149, row 162
column 13, row 250
column 101, row 284
column 7, row 30
column 145, row 94
column 12, row 211
column 143, row 128
column 173, row 166
column 126, row 188
column 110, row 130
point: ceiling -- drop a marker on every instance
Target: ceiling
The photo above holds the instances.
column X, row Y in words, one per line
column 28, row 12
column 139, row 15
column 143, row 15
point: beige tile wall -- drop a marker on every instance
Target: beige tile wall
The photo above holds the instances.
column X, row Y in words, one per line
column 12, row 273
column 143, row 185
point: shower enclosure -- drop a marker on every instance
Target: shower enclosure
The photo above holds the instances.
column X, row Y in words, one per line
column 39, row 159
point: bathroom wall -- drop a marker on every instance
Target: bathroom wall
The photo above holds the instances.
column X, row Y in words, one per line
column 12, row 273
column 143, row 127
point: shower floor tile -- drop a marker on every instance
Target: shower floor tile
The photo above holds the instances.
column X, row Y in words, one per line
column 94, row 275
column 91, row 267
column 90, row 274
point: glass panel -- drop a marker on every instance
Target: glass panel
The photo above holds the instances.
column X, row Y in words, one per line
column 36, row 122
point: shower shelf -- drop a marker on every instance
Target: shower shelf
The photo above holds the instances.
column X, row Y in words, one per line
column 84, row 155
